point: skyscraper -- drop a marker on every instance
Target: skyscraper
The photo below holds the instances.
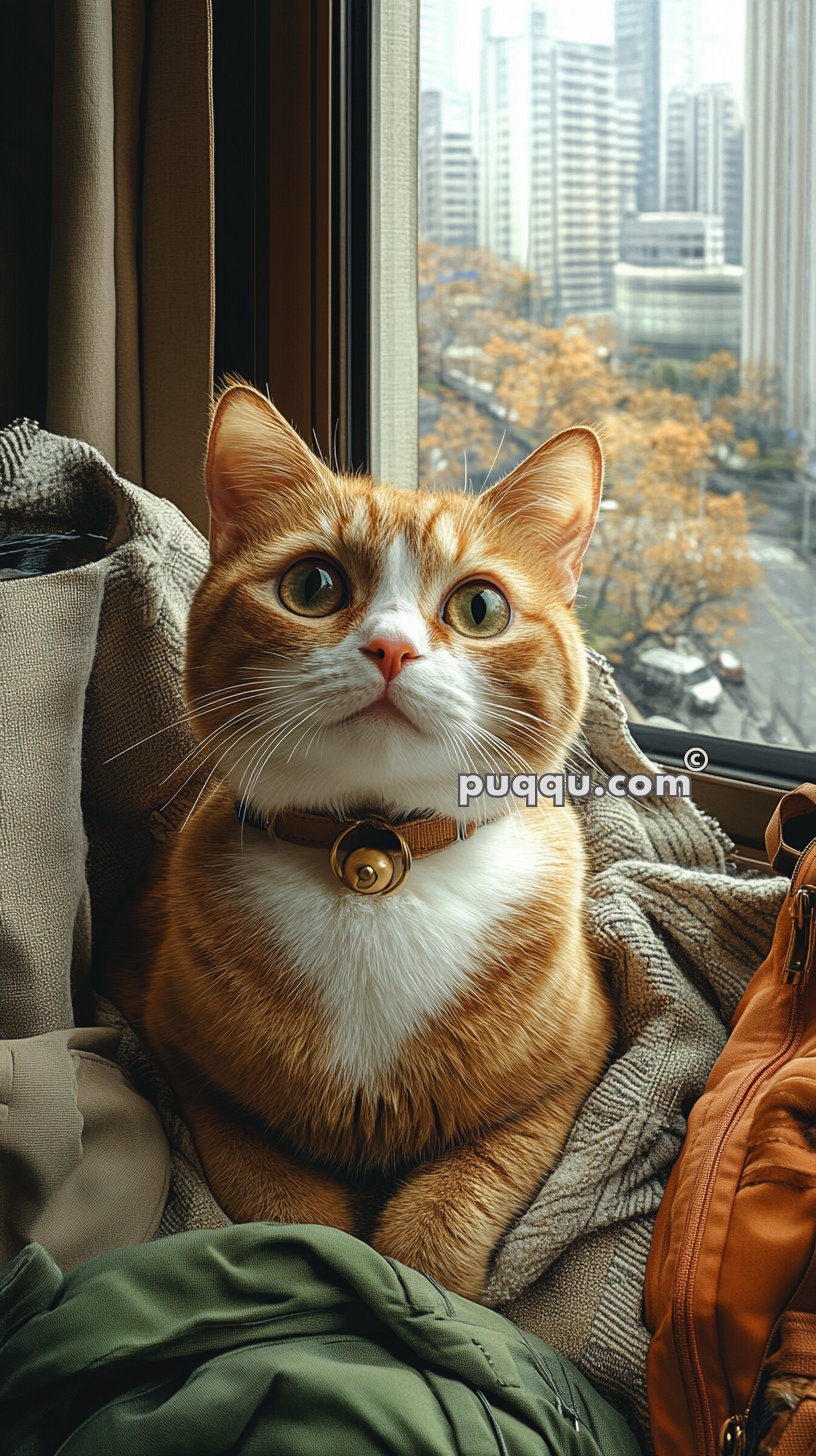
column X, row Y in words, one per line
column 718, row 162
column 576, row 197
column 437, row 45
column 549, row 161
column 637, row 55
column 779, row 235
column 653, row 52
column 447, row 161
column 509, row 35
column 704, row 146
column 628, row 129
column 680, row 150
column 447, row 170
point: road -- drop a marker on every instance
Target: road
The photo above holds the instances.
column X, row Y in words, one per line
column 779, row 646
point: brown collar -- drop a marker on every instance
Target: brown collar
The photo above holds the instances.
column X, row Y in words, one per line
column 368, row 854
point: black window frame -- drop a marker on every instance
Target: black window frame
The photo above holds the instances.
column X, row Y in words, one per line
column 291, row 111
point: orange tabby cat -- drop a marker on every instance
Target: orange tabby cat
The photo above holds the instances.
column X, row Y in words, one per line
column 405, row 1065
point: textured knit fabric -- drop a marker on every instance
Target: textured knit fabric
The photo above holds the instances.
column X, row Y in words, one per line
column 679, row 934
column 261, row 1338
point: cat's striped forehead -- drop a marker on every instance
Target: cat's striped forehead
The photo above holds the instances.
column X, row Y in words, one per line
column 438, row 530
column 426, row 518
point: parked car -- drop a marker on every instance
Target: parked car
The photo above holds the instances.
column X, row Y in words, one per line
column 728, row 666
column 681, row 675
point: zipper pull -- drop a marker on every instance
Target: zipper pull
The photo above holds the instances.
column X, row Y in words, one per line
column 732, row 1435
column 802, row 945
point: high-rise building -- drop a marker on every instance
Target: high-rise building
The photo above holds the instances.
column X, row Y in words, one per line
column 653, row 52
column 718, row 162
column 676, row 63
column 447, row 160
column 447, row 170
column 628, row 128
column 680, row 140
column 637, row 55
column 779, row 232
column 509, row 33
column 576, row 206
column 549, row 160
column 704, row 148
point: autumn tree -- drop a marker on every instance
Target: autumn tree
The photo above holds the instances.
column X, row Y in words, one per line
column 670, row 559
column 554, row 378
column 463, row 292
column 461, row 444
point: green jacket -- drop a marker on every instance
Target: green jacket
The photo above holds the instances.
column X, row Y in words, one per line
column 275, row 1340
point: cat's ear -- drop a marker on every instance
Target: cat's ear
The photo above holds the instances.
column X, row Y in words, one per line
column 253, row 455
column 550, row 502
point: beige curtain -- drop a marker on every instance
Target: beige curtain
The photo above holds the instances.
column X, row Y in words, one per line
column 112, row 113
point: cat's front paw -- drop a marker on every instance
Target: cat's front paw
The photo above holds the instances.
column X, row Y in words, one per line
column 424, row 1231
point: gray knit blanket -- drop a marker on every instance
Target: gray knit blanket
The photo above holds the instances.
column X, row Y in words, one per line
column 93, row 736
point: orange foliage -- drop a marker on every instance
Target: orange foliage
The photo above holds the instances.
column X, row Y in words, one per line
column 669, row 558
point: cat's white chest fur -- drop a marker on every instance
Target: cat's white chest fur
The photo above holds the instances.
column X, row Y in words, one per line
column 383, row 964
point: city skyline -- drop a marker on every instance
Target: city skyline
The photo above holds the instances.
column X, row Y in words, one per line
column 571, row 137
column 718, row 34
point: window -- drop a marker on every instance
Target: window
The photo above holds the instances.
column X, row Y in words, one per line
column 697, row 358
column 587, row 252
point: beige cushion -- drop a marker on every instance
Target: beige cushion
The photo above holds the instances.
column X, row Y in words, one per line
column 84, row 1161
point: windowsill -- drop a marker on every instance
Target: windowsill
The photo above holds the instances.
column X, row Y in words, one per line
column 741, row 807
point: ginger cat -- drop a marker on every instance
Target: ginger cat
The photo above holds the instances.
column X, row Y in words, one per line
column 404, row 1065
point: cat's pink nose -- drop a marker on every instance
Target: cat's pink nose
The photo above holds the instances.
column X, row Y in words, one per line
column 389, row 656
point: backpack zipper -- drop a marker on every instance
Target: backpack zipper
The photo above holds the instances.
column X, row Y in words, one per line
column 802, row 943
column 796, row 967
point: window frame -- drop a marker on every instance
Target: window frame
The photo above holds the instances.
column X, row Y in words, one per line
column 292, row 110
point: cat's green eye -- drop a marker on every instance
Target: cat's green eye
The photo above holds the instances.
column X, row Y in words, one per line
column 477, row 609
column 313, row 588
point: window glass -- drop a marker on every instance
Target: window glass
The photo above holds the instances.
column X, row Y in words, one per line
column 616, row 227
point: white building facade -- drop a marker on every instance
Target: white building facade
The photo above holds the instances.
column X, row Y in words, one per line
column 448, row 210
column 704, row 159
column 549, row 161
column 779, row 220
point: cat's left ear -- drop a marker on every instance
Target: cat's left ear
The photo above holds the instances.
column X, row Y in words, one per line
column 254, row 460
column 552, row 498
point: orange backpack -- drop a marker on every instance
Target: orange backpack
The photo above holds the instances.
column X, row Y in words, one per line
column 731, row 1276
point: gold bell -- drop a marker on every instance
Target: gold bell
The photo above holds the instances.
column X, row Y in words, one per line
column 370, row 868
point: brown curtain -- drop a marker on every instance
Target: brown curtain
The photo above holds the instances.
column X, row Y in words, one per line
column 106, row 234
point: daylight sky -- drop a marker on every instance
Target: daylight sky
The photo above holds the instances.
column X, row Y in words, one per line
column 719, row 36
